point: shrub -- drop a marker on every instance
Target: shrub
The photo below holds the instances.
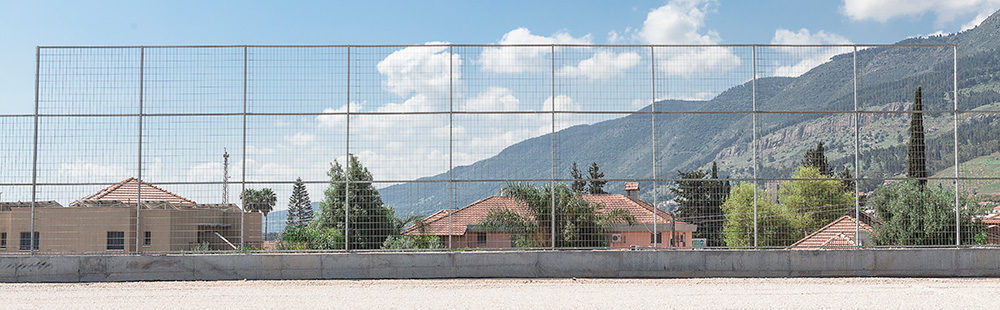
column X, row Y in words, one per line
column 310, row 238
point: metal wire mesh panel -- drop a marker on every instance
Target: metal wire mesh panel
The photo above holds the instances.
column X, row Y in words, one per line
column 89, row 80
column 193, row 80
column 297, row 79
column 440, row 146
column 16, row 145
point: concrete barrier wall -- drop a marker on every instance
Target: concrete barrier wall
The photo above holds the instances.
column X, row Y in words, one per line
column 554, row 264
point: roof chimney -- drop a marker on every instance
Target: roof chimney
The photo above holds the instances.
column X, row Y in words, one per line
column 632, row 190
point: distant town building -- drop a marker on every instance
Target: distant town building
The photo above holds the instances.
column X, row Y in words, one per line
column 106, row 222
column 464, row 224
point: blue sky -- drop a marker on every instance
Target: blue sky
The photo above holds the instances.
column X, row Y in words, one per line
column 398, row 79
column 31, row 23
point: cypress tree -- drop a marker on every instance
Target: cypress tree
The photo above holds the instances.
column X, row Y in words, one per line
column 817, row 158
column 700, row 195
column 596, row 183
column 711, row 226
column 916, row 156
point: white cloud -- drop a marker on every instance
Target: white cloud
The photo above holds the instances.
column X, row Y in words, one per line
column 301, row 139
column 521, row 59
column 805, row 58
column 419, row 69
column 493, row 99
column 615, row 37
column 331, row 120
column 936, row 33
column 640, row 103
column 204, row 171
column 84, row 171
column 681, row 22
column 603, row 65
column 563, row 103
column 977, row 20
column 678, row 22
column 944, row 10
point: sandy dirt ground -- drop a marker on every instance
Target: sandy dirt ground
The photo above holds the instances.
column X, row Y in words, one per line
column 514, row 293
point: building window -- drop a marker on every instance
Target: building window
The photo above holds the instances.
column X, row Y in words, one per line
column 481, row 238
column 657, row 238
column 116, row 240
column 147, row 239
column 3, row 240
column 26, row 241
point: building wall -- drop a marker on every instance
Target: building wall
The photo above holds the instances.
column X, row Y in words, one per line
column 77, row 230
column 645, row 239
column 632, row 238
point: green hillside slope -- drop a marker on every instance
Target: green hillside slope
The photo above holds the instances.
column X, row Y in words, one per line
column 887, row 78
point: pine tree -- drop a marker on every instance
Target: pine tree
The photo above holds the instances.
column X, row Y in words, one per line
column 845, row 179
column 579, row 184
column 298, row 205
column 596, row 186
column 916, row 156
column 700, row 195
column 371, row 222
column 817, row 158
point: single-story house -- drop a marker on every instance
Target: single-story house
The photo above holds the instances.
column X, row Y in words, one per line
column 465, row 228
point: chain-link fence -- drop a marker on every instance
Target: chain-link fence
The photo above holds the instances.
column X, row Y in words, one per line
column 439, row 146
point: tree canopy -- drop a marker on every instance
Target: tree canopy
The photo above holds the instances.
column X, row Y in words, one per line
column 807, row 203
column 578, row 222
column 371, row 222
column 910, row 213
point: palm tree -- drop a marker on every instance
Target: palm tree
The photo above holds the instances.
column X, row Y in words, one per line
column 262, row 200
column 578, row 222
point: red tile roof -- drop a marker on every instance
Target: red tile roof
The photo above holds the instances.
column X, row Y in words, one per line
column 128, row 191
column 631, row 186
column 839, row 233
column 473, row 214
column 992, row 219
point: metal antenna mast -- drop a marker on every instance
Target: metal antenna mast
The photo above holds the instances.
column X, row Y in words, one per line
column 225, row 176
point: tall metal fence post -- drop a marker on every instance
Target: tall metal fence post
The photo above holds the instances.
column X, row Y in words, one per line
column 857, row 153
column 243, row 168
column 754, row 142
column 34, row 160
column 451, row 139
column 652, row 126
column 138, row 191
column 954, row 99
column 552, row 182
column 347, row 160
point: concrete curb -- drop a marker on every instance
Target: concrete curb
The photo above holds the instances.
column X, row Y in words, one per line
column 541, row 264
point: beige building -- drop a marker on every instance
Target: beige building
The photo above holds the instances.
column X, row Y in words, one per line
column 106, row 222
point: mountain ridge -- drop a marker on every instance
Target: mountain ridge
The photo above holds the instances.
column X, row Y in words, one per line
column 887, row 77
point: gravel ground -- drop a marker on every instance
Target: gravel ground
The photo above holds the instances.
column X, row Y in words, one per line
column 515, row 293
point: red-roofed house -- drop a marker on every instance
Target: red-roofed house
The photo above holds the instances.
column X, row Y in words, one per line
column 106, row 222
column 841, row 233
column 992, row 225
column 464, row 224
